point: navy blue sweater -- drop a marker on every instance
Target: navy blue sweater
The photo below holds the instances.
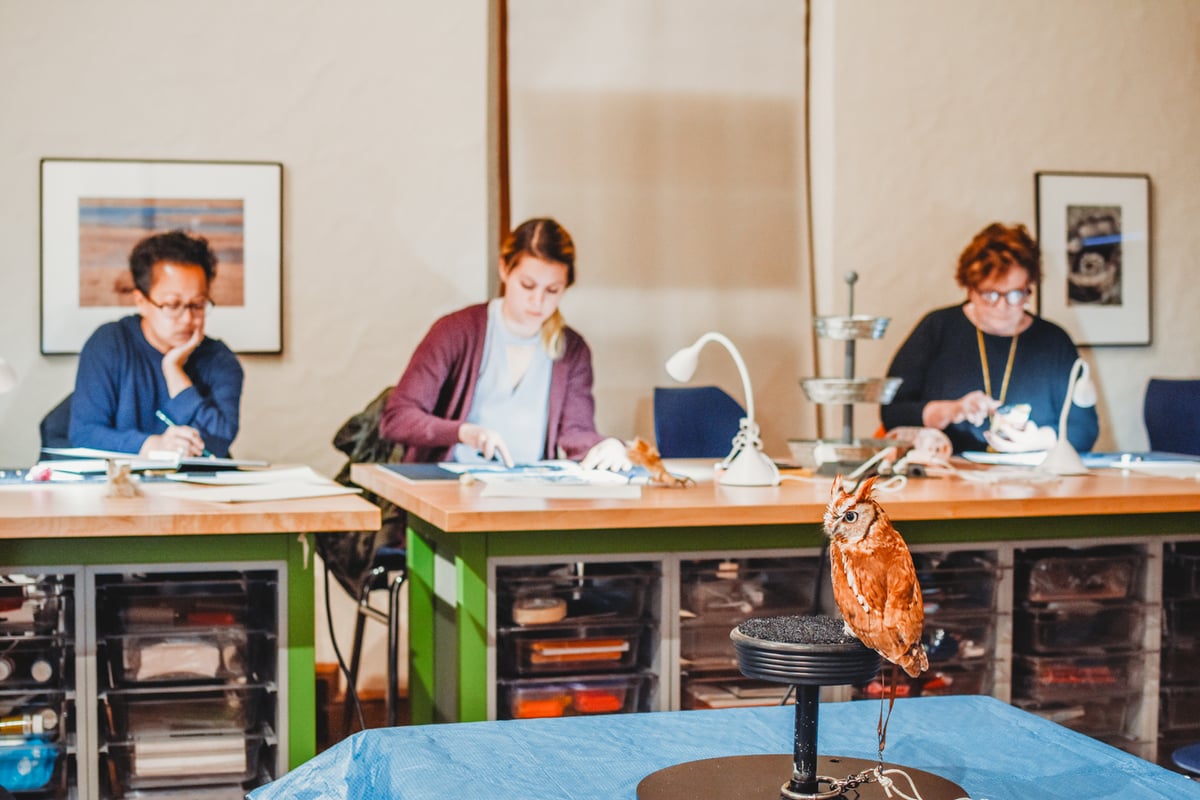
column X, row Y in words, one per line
column 120, row 384
column 940, row 361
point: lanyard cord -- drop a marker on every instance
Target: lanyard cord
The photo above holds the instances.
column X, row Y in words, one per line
column 987, row 378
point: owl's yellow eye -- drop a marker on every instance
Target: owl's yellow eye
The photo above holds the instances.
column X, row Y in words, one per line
column 850, row 516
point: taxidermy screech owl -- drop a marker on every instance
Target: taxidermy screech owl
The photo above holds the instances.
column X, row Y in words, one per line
column 874, row 581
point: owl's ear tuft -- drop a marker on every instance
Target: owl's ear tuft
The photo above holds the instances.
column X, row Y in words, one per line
column 864, row 490
column 835, row 491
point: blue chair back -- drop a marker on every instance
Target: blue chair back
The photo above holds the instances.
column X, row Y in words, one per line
column 1172, row 415
column 695, row 421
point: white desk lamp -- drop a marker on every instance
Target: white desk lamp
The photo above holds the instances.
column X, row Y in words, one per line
column 746, row 464
column 1062, row 459
column 8, row 376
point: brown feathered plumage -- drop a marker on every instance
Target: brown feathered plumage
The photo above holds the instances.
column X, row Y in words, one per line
column 874, row 581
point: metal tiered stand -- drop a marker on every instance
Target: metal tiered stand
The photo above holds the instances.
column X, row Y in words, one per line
column 807, row 652
column 848, row 452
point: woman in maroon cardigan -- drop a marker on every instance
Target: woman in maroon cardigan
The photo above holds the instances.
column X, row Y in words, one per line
column 505, row 379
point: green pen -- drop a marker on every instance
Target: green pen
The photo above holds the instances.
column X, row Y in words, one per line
column 165, row 420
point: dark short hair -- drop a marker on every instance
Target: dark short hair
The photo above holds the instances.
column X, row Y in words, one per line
column 178, row 247
column 994, row 251
column 543, row 238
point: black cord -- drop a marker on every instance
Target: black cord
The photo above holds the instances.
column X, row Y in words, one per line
column 351, row 690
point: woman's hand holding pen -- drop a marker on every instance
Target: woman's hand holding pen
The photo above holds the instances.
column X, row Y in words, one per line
column 486, row 441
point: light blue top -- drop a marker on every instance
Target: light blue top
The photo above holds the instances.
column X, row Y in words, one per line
column 518, row 413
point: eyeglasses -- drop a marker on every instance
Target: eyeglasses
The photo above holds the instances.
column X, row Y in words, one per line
column 175, row 309
column 1014, row 297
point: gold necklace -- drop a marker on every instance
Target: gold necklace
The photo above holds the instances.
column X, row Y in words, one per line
column 987, row 378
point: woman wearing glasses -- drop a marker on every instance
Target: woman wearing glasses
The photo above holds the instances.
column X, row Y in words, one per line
column 153, row 381
column 964, row 363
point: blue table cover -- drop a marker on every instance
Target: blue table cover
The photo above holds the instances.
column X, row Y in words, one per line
column 991, row 749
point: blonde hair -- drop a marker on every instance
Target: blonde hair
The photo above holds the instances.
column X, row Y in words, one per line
column 544, row 238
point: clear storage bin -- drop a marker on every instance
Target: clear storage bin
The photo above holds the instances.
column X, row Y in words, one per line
column 729, row 591
column 577, row 696
column 1107, row 717
column 35, row 662
column 959, row 636
column 38, row 605
column 134, row 715
column 1183, row 618
column 944, row 679
column 1181, row 570
column 549, row 594
column 957, row 580
column 175, row 761
column 1060, row 627
column 188, row 601
column 1094, row 574
column 1180, row 660
column 566, row 648
column 1050, row 678
column 1180, row 709
column 218, row 655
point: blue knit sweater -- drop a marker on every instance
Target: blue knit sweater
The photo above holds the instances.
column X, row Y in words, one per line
column 940, row 361
column 120, row 384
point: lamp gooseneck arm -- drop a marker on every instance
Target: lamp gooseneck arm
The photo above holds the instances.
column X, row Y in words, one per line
column 741, row 365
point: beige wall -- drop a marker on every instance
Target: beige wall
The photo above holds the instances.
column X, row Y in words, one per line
column 932, row 117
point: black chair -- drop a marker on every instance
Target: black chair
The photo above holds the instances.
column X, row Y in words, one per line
column 1171, row 412
column 695, row 421
column 55, row 427
column 366, row 562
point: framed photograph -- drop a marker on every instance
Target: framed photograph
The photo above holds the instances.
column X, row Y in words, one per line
column 93, row 212
column 1094, row 232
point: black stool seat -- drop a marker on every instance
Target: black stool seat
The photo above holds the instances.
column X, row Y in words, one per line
column 389, row 569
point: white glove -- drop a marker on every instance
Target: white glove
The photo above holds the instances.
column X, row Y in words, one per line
column 1030, row 437
column 486, row 441
column 609, row 454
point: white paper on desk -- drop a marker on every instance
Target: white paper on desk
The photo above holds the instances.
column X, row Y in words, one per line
column 258, row 492
column 248, row 477
column 1166, row 469
column 561, row 489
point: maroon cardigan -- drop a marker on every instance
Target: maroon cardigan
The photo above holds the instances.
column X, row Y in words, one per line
column 434, row 394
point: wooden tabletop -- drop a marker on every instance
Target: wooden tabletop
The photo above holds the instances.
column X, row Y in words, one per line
column 457, row 508
column 32, row 511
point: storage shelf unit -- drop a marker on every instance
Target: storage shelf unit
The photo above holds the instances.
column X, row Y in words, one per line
column 1062, row 630
column 163, row 680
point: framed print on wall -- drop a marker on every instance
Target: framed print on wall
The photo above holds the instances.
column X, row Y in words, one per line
column 1094, row 233
column 93, row 212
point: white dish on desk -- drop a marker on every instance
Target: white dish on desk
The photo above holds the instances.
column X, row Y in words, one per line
column 1031, row 459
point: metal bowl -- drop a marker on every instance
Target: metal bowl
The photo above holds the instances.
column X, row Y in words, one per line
column 850, row 390
column 858, row 326
column 812, row 453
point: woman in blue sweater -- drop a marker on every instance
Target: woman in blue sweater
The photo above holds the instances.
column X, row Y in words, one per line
column 153, row 381
column 962, row 363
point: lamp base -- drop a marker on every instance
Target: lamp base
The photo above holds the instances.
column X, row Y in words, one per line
column 1062, row 459
column 750, row 467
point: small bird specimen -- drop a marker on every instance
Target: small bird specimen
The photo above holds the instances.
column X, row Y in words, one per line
column 875, row 585
column 874, row 581
column 644, row 454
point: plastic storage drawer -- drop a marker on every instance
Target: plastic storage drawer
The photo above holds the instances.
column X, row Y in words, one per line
column 28, row 765
column 549, row 595
column 134, row 715
column 729, row 591
column 952, row 636
column 567, row 648
column 204, row 656
column 1183, row 618
column 1180, row 709
column 1107, row 717
column 35, row 662
column 1079, row 575
column 36, row 607
column 1061, row 627
column 1180, row 660
column 1049, row 678
column 174, row 761
column 1181, row 573
column 577, row 696
column 956, row 581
